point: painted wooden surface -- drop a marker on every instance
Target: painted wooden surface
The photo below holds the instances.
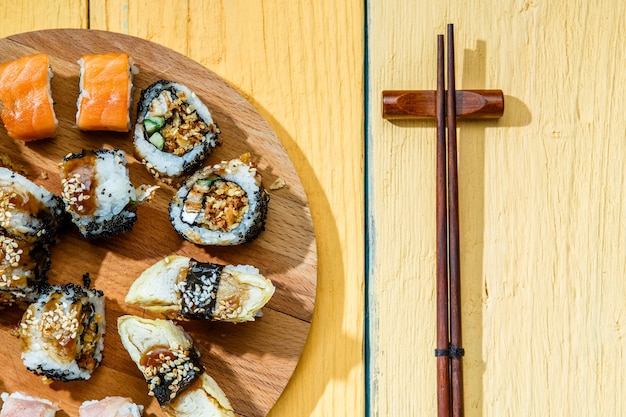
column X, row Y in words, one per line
column 300, row 66
column 542, row 201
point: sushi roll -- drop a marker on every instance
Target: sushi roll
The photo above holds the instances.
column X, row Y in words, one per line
column 174, row 132
column 23, row 268
column 27, row 105
column 110, row 407
column 62, row 333
column 27, row 210
column 19, row 404
column 182, row 288
column 224, row 204
column 169, row 362
column 98, row 194
column 105, row 85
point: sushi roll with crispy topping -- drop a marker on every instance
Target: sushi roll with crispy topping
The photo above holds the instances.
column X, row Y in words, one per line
column 19, row 404
column 174, row 132
column 114, row 406
column 23, row 268
column 165, row 355
column 62, row 333
column 223, row 204
column 27, row 210
column 182, row 288
column 98, row 193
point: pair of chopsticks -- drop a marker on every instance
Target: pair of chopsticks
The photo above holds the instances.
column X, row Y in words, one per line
column 448, row 352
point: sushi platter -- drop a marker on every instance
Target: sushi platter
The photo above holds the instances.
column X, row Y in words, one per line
column 251, row 361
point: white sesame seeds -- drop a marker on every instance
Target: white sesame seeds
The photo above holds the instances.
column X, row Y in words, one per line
column 74, row 191
column 169, row 371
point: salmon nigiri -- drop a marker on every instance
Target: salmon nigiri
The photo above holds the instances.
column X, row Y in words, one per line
column 27, row 111
column 105, row 92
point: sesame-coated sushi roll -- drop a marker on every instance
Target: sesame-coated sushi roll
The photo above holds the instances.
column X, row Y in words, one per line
column 98, row 193
column 224, row 204
column 27, row 105
column 182, row 288
column 62, row 333
column 23, row 268
column 106, row 83
column 27, row 210
column 19, row 404
column 114, row 406
column 174, row 132
column 165, row 355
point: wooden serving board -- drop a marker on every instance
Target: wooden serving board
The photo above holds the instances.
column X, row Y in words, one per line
column 252, row 362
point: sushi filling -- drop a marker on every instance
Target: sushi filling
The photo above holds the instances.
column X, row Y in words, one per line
column 215, row 204
column 169, row 371
column 199, row 290
column 172, row 125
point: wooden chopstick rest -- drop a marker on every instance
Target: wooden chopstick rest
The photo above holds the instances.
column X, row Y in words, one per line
column 422, row 104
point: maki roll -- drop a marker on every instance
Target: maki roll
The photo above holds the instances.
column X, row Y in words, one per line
column 106, row 83
column 23, row 268
column 62, row 333
column 98, row 193
column 27, row 210
column 183, row 288
column 27, row 105
column 224, row 204
column 20, row 404
column 110, row 407
column 174, row 132
column 169, row 362
column 30, row 219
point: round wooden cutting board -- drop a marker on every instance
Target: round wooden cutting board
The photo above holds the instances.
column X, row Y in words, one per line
column 252, row 362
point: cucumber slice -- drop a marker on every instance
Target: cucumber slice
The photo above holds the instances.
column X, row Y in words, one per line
column 207, row 182
column 153, row 124
column 157, row 140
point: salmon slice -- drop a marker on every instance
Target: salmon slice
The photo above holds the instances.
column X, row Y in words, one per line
column 105, row 92
column 27, row 111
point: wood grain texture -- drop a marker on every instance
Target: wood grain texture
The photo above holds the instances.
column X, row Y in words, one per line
column 23, row 16
column 541, row 208
column 251, row 363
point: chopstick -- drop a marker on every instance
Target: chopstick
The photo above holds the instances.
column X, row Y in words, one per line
column 456, row 351
column 443, row 358
column 448, row 351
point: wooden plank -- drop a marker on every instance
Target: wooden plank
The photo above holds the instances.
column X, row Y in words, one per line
column 541, row 199
column 301, row 66
column 27, row 15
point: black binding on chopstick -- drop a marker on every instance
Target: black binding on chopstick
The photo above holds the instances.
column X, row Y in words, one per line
column 449, row 351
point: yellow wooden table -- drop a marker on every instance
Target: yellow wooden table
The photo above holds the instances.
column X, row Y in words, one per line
column 301, row 66
column 542, row 189
column 542, row 208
